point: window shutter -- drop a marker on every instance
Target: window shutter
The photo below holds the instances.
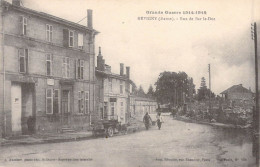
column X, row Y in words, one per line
column 65, row 37
column 76, row 69
column 20, row 29
column 26, row 60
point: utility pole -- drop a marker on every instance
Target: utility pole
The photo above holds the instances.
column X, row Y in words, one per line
column 256, row 111
column 209, row 90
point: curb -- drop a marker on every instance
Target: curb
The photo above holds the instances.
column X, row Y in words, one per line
column 209, row 123
column 44, row 141
column 60, row 140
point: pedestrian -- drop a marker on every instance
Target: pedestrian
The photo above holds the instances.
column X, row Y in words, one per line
column 159, row 121
column 147, row 120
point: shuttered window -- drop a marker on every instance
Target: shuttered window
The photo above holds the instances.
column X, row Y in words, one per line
column 24, row 26
column 71, row 38
column 79, row 68
column 49, row 101
column 49, row 61
column 86, row 102
column 80, row 41
column 23, row 60
column 66, row 67
column 81, row 101
column 49, row 32
column 56, row 106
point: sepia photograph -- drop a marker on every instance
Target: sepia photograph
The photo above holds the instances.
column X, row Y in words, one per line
column 120, row 83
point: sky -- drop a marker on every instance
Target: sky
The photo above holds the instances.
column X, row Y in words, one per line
column 150, row 47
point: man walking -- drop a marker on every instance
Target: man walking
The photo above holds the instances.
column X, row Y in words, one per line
column 159, row 121
column 147, row 120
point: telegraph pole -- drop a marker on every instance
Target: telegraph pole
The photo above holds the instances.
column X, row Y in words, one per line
column 209, row 89
column 256, row 112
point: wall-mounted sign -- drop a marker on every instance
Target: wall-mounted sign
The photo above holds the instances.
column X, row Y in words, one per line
column 50, row 82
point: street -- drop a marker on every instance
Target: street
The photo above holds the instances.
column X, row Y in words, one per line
column 176, row 144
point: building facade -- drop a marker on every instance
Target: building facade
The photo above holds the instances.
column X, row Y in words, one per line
column 141, row 105
column 47, row 71
column 114, row 91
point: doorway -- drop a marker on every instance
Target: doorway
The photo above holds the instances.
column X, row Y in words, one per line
column 65, row 106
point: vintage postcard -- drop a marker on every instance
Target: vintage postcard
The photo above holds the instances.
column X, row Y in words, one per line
column 125, row 83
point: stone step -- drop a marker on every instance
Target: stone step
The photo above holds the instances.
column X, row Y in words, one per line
column 67, row 129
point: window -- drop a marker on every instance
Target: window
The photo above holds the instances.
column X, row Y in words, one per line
column 105, row 110
column 80, row 41
column 122, row 108
column 24, row 26
column 81, row 101
column 49, row 101
column 49, row 32
column 112, row 108
column 80, row 69
column 71, row 38
column 56, row 108
column 23, row 60
column 49, row 58
column 121, row 87
column 66, row 67
column 110, row 86
column 86, row 102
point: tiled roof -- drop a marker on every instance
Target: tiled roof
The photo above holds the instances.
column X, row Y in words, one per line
column 236, row 88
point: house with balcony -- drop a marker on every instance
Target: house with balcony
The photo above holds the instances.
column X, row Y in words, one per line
column 47, row 71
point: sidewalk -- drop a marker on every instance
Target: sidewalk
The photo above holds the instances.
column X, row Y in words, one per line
column 45, row 138
column 135, row 126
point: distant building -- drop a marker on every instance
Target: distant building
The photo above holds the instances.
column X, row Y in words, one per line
column 47, row 71
column 237, row 93
column 140, row 105
column 114, row 91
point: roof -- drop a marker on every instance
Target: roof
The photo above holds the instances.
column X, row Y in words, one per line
column 50, row 17
column 143, row 99
column 236, row 88
column 112, row 75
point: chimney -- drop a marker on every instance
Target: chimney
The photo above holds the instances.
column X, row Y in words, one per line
column 128, row 72
column 121, row 69
column 90, row 25
column 100, row 61
column 16, row 2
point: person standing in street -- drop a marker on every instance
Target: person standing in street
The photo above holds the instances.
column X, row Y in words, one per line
column 147, row 120
column 159, row 121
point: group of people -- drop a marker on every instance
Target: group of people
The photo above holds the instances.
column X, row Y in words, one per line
column 147, row 119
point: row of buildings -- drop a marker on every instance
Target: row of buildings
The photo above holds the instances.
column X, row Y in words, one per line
column 48, row 72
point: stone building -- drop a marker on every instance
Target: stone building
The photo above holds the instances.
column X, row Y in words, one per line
column 47, row 71
column 114, row 90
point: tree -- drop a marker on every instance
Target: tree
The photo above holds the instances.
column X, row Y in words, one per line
column 172, row 87
column 150, row 92
column 203, row 91
column 141, row 92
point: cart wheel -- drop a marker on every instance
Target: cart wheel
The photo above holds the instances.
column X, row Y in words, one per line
column 110, row 131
